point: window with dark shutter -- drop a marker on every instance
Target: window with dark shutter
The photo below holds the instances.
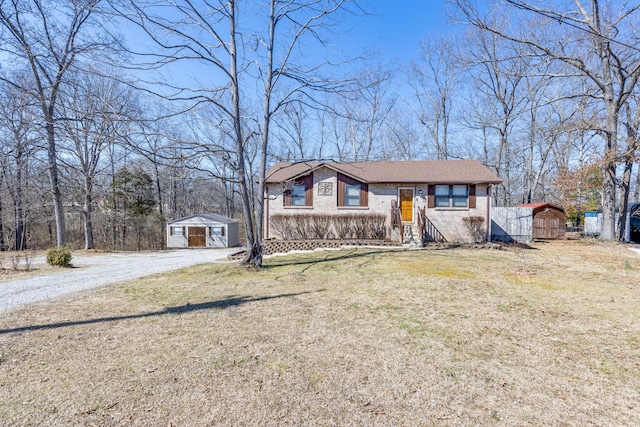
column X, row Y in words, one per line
column 352, row 192
column 300, row 193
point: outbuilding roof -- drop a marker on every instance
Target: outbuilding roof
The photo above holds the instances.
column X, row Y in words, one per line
column 209, row 216
column 393, row 172
column 540, row 205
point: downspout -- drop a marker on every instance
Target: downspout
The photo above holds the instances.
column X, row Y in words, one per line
column 488, row 215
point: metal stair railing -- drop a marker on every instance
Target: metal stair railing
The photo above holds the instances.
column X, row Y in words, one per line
column 428, row 230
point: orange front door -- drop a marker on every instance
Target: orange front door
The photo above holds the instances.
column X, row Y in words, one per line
column 406, row 204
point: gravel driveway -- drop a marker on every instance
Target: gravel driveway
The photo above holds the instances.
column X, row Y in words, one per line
column 91, row 271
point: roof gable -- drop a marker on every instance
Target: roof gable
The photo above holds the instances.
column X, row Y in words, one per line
column 409, row 171
column 541, row 205
column 208, row 216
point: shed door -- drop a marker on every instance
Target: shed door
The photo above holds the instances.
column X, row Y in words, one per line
column 197, row 237
column 406, row 204
column 546, row 226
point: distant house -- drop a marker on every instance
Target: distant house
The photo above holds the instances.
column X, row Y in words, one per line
column 206, row 230
column 444, row 191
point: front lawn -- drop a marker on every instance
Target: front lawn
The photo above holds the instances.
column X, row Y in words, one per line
column 542, row 336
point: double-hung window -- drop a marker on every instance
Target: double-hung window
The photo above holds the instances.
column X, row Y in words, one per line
column 352, row 195
column 442, row 196
column 298, row 193
column 459, row 196
column 451, row 196
column 176, row 231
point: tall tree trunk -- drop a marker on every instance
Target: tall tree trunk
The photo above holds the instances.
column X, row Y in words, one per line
column 2, row 241
column 257, row 251
column 610, row 154
column 87, row 213
column 628, row 159
column 624, row 199
column 636, row 192
column 20, row 237
column 54, row 182
column 241, row 169
column 159, row 197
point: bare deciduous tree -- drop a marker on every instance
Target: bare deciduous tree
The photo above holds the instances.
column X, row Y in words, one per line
column 47, row 37
column 597, row 41
column 211, row 33
column 435, row 77
column 95, row 114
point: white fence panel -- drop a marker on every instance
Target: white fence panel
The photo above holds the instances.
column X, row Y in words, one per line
column 512, row 224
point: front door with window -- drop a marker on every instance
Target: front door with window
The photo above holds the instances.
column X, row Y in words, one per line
column 197, row 237
column 406, row 204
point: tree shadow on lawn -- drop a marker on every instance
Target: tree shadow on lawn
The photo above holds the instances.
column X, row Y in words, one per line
column 232, row 301
column 333, row 256
column 352, row 253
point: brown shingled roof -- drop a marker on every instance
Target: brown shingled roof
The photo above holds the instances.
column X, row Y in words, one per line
column 396, row 172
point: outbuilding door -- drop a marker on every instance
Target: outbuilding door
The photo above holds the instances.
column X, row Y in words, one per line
column 546, row 226
column 197, row 237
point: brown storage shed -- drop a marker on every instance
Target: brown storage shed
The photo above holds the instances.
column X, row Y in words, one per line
column 549, row 220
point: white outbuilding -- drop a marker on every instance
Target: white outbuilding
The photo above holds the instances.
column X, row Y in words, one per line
column 206, row 230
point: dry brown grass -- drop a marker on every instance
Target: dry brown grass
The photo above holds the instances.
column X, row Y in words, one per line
column 356, row 337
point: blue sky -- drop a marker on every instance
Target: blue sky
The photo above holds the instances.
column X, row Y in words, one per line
column 392, row 28
column 397, row 27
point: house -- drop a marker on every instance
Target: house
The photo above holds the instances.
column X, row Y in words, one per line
column 446, row 191
column 206, row 230
column 527, row 222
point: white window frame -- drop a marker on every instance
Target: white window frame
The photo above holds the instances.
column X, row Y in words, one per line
column 216, row 231
column 298, row 195
column 350, row 199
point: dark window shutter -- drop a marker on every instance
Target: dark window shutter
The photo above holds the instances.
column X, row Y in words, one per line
column 286, row 197
column 308, row 190
column 341, row 190
column 431, row 196
column 472, row 196
column 364, row 194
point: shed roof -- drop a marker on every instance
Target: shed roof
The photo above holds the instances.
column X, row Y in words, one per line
column 540, row 206
column 209, row 216
column 409, row 171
